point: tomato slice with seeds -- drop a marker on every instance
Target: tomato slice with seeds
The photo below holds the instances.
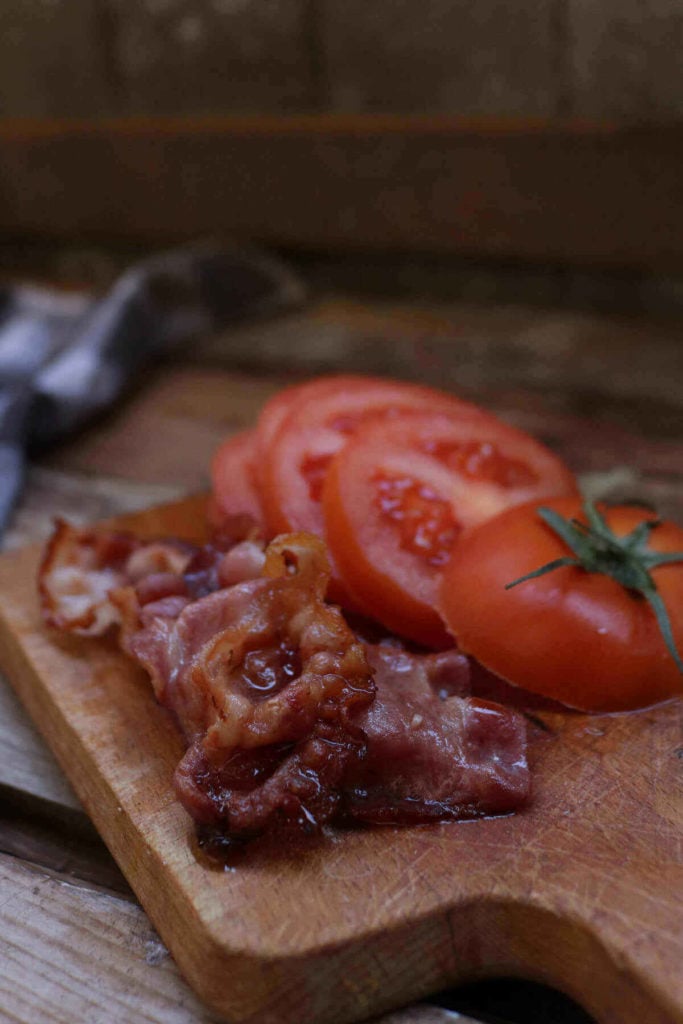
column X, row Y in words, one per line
column 400, row 493
column 272, row 416
column 232, row 476
column 277, row 409
column 323, row 415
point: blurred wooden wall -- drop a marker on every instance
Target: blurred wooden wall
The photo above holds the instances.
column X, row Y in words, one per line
column 614, row 59
column 495, row 129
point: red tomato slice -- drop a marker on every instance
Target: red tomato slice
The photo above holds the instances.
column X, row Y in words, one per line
column 399, row 494
column 277, row 409
column 273, row 414
column 578, row 637
column 232, row 475
column 325, row 414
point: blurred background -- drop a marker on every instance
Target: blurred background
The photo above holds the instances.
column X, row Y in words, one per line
column 523, row 152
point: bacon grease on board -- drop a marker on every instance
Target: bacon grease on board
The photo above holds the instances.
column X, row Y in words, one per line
column 291, row 720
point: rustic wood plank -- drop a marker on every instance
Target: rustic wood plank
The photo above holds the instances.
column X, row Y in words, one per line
column 107, row 959
column 54, row 60
column 403, row 277
column 70, row 953
column 65, row 842
column 26, row 764
column 73, row 954
column 166, row 435
column 624, row 58
column 478, row 348
column 199, row 57
column 437, row 56
column 81, row 498
column 522, row 361
column 605, row 393
column 557, row 193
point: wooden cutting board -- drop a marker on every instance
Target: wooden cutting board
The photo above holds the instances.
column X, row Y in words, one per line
column 584, row 890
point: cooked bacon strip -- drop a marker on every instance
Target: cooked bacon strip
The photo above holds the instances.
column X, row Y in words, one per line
column 263, row 672
column 431, row 755
column 270, row 787
column 274, row 692
column 81, row 567
column 214, row 566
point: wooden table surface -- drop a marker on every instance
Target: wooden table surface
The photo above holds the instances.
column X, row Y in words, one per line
column 606, row 393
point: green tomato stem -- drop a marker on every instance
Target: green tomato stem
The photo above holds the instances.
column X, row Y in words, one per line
column 597, row 549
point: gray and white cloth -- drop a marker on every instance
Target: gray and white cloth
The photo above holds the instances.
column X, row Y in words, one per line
column 65, row 358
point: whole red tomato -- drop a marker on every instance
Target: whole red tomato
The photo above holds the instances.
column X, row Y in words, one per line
column 578, row 636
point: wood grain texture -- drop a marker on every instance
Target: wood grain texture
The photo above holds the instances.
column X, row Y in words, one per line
column 606, row 393
column 404, row 277
column 71, row 953
column 584, row 891
column 624, row 59
column 200, row 57
column 561, row 58
column 26, row 764
column 437, row 56
column 81, row 498
column 483, row 349
column 582, row 194
column 59, row 840
column 53, row 60
column 191, row 408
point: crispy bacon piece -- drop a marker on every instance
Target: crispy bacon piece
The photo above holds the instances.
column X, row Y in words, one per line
column 264, row 680
column 215, row 566
column 282, row 786
column 433, row 753
column 274, row 692
column 81, row 567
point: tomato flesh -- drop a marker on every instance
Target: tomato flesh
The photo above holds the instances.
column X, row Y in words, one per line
column 232, row 476
column 314, row 469
column 321, row 417
column 577, row 637
column 481, row 460
column 272, row 416
column 424, row 522
column 401, row 492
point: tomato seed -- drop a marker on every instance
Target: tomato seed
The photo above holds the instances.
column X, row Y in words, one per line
column 481, row 460
column 424, row 522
